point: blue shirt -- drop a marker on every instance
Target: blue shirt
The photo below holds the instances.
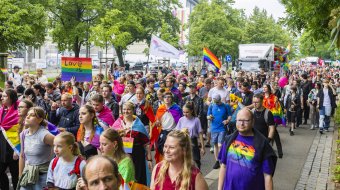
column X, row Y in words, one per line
column 220, row 112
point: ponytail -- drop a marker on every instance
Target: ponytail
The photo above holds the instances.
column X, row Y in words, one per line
column 70, row 140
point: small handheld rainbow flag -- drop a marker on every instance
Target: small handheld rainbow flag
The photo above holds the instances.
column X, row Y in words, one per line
column 4, row 70
column 211, row 58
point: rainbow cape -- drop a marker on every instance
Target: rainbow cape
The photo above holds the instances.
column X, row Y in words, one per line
column 9, row 126
column 211, row 58
column 12, row 137
column 272, row 103
column 176, row 113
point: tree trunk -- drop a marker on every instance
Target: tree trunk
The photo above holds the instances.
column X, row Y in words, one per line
column 76, row 47
column 119, row 52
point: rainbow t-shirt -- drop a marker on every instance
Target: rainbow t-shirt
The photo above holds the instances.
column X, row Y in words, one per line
column 244, row 169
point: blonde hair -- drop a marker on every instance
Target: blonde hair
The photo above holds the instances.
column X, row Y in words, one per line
column 70, row 140
column 184, row 178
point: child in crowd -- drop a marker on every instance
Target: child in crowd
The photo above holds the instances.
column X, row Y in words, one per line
column 65, row 169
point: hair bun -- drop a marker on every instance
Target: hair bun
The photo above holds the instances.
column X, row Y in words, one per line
column 185, row 131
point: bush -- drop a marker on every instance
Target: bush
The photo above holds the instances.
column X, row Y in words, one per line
column 336, row 169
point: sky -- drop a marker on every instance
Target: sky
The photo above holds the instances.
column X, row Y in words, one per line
column 273, row 7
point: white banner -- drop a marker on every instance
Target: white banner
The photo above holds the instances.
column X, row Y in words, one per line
column 161, row 48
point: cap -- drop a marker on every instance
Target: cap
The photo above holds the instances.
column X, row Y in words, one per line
column 16, row 67
column 217, row 97
column 192, row 85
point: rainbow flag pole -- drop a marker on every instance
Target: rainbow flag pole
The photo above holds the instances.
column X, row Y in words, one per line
column 211, row 59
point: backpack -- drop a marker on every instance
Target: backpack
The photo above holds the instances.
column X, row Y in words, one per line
column 76, row 169
column 265, row 114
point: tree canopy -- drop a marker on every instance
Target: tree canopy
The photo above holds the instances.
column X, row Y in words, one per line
column 21, row 24
column 129, row 21
column 313, row 16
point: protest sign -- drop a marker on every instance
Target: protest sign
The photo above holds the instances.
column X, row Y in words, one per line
column 80, row 68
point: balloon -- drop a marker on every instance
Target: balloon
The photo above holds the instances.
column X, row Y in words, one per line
column 283, row 81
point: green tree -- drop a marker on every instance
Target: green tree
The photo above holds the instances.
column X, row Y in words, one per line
column 312, row 16
column 261, row 28
column 70, row 21
column 215, row 25
column 129, row 21
column 21, row 24
column 319, row 48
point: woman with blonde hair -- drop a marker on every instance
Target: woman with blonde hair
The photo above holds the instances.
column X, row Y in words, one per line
column 89, row 132
column 130, row 126
column 177, row 170
column 111, row 145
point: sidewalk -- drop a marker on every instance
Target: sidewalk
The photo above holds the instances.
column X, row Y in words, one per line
column 316, row 172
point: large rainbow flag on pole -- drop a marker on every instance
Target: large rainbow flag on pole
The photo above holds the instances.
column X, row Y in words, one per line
column 211, row 58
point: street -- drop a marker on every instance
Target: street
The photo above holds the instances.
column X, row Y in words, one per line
column 288, row 169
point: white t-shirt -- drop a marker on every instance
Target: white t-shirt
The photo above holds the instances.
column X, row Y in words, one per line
column 16, row 78
column 326, row 98
column 222, row 92
column 60, row 176
column 128, row 97
column 43, row 79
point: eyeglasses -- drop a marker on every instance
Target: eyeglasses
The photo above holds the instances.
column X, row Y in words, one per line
column 168, row 96
column 243, row 121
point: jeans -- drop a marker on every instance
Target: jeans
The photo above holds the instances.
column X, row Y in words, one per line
column 325, row 117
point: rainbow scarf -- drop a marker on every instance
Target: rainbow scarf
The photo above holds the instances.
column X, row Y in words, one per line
column 95, row 139
column 9, row 126
column 274, row 106
column 211, row 58
column 176, row 113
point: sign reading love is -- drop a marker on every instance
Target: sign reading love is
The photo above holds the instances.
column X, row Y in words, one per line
column 80, row 68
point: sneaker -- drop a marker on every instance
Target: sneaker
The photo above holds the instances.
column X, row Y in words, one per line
column 280, row 155
column 312, row 127
column 212, row 150
column 216, row 165
column 291, row 133
column 321, row 131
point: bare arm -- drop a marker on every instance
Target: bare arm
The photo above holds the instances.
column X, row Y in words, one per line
column 221, row 176
column 268, row 181
column 271, row 131
column 21, row 161
column 48, row 139
column 200, row 182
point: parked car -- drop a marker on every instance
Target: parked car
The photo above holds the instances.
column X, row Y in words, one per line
column 137, row 66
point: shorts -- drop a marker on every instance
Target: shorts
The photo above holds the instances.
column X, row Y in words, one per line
column 217, row 137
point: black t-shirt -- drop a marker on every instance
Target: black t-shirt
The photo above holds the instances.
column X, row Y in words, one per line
column 260, row 122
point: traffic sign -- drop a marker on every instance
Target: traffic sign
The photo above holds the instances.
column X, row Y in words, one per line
column 228, row 58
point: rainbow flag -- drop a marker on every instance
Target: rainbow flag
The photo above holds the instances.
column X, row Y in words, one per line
column 211, row 58
column 80, row 68
column 12, row 137
column 4, row 70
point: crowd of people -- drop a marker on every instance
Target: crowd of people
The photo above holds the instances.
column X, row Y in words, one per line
column 101, row 134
